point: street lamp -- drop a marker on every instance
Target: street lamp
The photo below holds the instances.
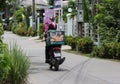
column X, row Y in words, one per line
column 70, row 10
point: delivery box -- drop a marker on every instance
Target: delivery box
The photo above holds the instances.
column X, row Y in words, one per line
column 55, row 37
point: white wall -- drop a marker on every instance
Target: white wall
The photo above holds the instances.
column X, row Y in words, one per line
column 69, row 25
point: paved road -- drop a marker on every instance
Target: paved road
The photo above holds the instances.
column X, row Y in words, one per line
column 75, row 70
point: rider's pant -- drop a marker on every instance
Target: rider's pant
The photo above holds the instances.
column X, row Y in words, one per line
column 47, row 56
column 49, row 48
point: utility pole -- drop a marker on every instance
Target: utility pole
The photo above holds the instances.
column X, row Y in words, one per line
column 61, row 15
column 94, row 12
column 79, row 18
column 33, row 15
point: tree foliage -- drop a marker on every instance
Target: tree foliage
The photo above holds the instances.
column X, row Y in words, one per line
column 51, row 2
column 72, row 5
column 108, row 19
column 87, row 10
column 20, row 15
column 2, row 4
column 1, row 32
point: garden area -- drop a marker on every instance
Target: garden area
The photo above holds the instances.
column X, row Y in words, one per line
column 106, row 23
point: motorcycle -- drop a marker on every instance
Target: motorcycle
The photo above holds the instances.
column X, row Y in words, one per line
column 55, row 40
column 55, row 57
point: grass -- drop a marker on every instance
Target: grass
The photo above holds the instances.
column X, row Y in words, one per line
column 77, row 52
column 17, row 66
column 87, row 55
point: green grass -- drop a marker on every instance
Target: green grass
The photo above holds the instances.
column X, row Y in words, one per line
column 87, row 55
column 77, row 52
column 16, row 66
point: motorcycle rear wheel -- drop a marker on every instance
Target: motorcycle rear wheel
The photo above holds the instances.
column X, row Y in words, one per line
column 56, row 66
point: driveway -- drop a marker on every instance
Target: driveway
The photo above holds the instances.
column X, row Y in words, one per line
column 76, row 69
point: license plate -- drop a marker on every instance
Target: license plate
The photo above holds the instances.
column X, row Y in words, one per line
column 57, row 54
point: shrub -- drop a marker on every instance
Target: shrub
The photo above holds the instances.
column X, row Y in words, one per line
column 2, row 47
column 71, row 41
column 13, row 27
column 17, row 65
column 110, row 50
column 4, row 62
column 1, row 31
column 4, row 67
column 41, row 29
column 111, row 47
column 95, row 51
column 68, row 40
column 85, row 45
column 21, row 29
column 118, row 51
column 30, row 31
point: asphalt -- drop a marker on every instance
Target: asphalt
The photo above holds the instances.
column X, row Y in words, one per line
column 76, row 69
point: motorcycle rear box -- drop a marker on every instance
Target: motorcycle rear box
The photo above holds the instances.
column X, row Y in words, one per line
column 55, row 37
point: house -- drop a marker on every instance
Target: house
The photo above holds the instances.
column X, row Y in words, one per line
column 40, row 6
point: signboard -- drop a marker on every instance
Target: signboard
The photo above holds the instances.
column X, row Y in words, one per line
column 57, row 4
column 48, row 13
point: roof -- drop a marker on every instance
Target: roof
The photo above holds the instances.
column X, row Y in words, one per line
column 37, row 2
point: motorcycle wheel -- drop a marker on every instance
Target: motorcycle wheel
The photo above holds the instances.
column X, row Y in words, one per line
column 56, row 67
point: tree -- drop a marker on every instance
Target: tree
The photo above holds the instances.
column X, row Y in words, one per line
column 72, row 5
column 2, row 4
column 108, row 19
column 87, row 10
column 51, row 2
column 20, row 15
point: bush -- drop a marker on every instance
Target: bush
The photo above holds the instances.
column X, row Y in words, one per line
column 71, row 41
column 111, row 47
column 110, row 50
column 117, row 51
column 85, row 45
column 16, row 67
column 13, row 27
column 68, row 39
column 4, row 62
column 21, row 29
column 1, row 31
column 30, row 31
column 4, row 67
column 41, row 29
column 95, row 51
column 2, row 47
